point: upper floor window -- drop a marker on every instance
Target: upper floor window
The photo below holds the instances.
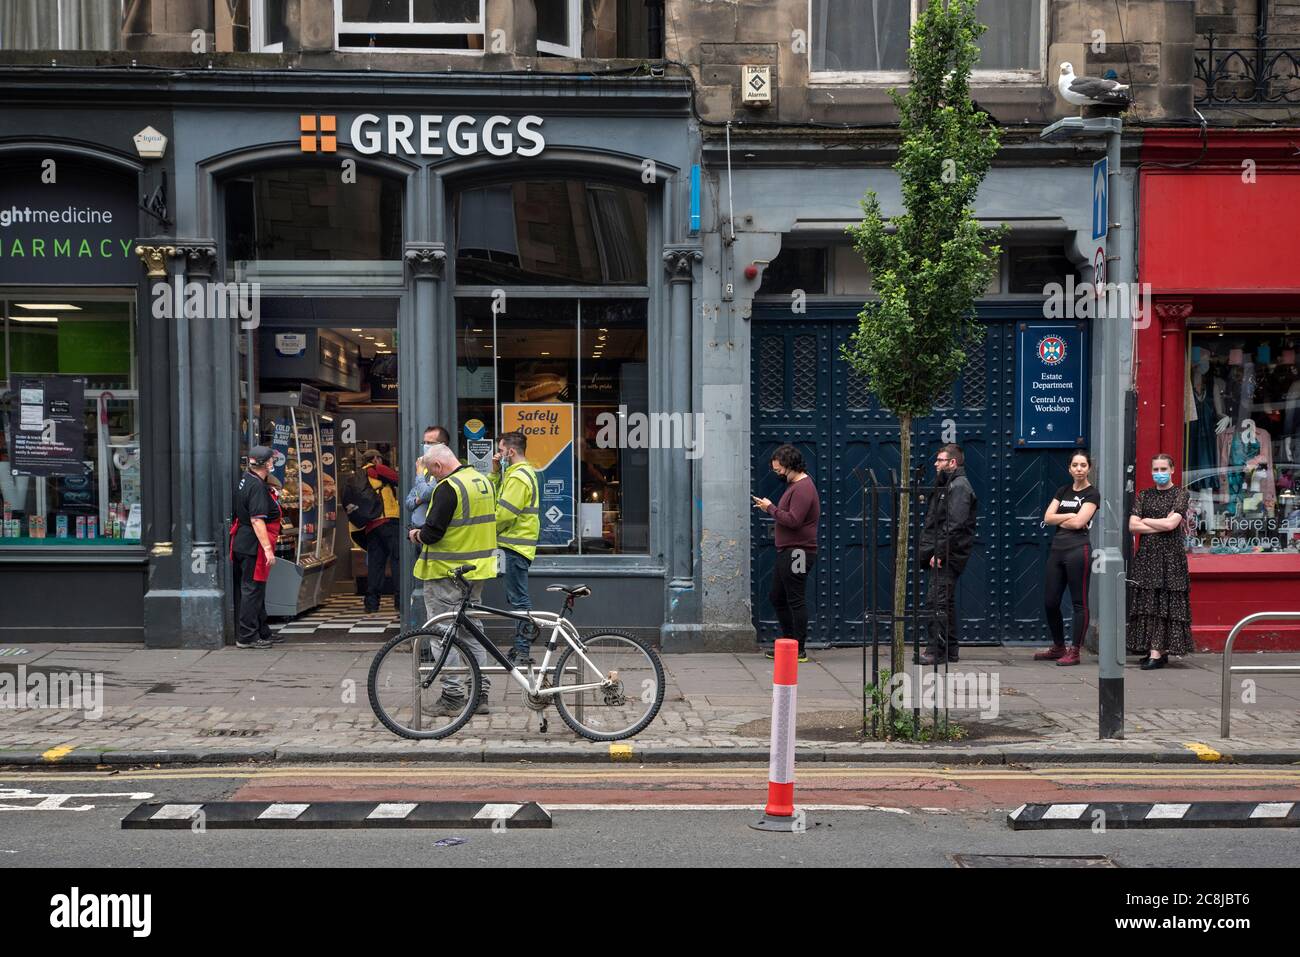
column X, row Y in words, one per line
column 855, row 38
column 61, row 25
column 443, row 25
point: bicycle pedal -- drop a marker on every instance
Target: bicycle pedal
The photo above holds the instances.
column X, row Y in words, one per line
column 541, row 726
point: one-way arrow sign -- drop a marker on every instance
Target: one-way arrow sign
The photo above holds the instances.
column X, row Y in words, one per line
column 1100, row 199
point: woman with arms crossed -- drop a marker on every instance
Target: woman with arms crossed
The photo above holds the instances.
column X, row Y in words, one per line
column 1069, row 563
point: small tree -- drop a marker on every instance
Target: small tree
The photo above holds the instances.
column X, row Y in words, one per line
column 912, row 342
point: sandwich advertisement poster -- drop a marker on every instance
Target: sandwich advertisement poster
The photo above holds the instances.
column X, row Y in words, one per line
column 549, row 428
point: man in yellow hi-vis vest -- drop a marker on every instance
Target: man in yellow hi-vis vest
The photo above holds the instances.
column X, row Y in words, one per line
column 459, row 529
column 519, row 500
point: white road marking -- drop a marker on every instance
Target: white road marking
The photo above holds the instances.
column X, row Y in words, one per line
column 58, row 802
column 390, row 811
column 1067, row 812
column 176, row 812
column 283, row 812
column 1167, row 812
column 496, row 812
column 1271, row 809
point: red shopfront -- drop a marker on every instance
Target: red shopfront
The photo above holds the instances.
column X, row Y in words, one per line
column 1218, row 365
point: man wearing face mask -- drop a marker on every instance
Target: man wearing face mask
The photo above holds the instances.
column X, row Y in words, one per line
column 946, row 543
column 417, row 499
column 519, row 500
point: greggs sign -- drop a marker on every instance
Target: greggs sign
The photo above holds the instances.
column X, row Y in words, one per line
column 428, row 134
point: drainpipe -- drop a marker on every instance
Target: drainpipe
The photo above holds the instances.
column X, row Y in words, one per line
column 1261, row 43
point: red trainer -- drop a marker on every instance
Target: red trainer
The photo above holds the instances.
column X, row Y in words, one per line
column 1071, row 656
column 1051, row 654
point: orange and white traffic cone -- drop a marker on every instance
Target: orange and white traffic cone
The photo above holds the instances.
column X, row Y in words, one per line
column 779, row 814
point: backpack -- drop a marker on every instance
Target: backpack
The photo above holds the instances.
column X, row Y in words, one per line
column 360, row 499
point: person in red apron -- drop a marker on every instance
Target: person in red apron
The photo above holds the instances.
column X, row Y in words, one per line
column 252, row 549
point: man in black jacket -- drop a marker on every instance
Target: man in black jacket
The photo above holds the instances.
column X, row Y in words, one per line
column 946, row 543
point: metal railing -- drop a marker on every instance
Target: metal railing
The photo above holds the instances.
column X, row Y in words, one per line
column 1229, row 669
column 1257, row 75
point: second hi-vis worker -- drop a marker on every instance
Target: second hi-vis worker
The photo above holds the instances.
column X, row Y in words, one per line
column 518, row 526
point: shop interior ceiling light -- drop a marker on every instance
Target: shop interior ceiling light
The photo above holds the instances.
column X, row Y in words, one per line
column 50, row 306
column 34, row 318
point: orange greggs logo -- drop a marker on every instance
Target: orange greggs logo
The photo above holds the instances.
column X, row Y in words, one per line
column 317, row 133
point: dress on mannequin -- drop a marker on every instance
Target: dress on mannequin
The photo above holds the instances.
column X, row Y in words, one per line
column 1201, row 451
column 1240, row 457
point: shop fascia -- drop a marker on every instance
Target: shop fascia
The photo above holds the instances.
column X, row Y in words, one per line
column 427, row 134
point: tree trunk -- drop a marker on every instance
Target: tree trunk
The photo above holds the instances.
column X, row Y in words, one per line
column 898, row 659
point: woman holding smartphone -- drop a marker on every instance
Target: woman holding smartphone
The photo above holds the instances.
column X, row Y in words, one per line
column 1069, row 562
column 796, row 518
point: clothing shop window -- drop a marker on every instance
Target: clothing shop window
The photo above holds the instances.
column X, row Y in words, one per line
column 551, row 232
column 1242, row 414
column 573, row 375
column 61, row 25
column 304, row 220
column 69, row 400
column 445, row 26
column 859, row 39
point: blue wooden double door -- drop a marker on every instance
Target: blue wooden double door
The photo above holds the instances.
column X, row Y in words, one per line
column 803, row 392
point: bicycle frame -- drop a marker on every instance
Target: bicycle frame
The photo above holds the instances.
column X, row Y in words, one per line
column 560, row 627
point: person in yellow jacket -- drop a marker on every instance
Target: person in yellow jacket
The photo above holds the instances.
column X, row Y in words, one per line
column 519, row 500
column 459, row 529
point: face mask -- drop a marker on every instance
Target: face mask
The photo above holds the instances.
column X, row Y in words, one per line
column 1162, row 478
column 428, row 448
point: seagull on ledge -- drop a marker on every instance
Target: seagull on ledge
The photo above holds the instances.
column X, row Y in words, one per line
column 1087, row 91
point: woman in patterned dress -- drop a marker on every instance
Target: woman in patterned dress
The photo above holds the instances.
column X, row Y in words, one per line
column 1159, row 618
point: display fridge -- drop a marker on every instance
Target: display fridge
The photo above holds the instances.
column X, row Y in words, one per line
column 299, row 430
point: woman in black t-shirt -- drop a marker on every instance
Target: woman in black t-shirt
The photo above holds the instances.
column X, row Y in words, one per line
column 1069, row 562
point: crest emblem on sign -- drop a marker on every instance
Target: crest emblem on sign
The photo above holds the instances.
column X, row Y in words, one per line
column 1051, row 350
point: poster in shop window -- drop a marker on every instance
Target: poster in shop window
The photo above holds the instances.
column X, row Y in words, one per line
column 549, row 428
column 1051, row 385
column 47, row 426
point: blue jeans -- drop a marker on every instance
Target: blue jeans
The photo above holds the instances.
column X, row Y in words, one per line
column 516, row 574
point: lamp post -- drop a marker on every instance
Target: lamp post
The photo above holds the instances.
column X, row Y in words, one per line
column 1115, row 352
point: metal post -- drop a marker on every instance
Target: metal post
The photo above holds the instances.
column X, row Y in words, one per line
column 1117, row 359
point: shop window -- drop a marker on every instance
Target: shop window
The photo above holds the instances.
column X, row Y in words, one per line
column 442, row 25
column 551, row 232
column 851, row 38
column 61, row 25
column 70, row 455
column 1242, row 463
column 302, row 216
column 574, row 375
column 795, row 268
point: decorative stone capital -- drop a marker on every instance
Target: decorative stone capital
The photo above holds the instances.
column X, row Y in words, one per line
column 200, row 258
column 680, row 262
column 1173, row 314
column 426, row 261
column 155, row 259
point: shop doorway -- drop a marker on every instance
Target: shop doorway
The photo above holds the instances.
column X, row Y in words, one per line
column 326, row 400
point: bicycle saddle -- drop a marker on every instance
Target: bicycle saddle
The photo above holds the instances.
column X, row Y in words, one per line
column 577, row 591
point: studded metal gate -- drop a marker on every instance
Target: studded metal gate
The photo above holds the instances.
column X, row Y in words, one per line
column 804, row 393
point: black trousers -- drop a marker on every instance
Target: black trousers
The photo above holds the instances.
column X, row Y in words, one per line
column 250, row 601
column 1068, row 567
column 382, row 545
column 789, row 594
column 941, row 599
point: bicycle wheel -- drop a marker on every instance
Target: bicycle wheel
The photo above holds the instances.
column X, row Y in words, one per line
column 424, row 685
column 625, row 706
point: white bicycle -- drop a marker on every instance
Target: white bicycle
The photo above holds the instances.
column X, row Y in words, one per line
column 606, row 686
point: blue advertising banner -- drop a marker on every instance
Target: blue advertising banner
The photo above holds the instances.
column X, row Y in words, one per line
column 1051, row 385
column 280, row 441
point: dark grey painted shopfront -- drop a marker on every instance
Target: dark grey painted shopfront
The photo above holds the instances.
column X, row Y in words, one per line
column 173, row 591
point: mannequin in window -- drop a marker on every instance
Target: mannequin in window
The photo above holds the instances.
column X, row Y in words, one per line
column 1202, row 453
column 1246, row 456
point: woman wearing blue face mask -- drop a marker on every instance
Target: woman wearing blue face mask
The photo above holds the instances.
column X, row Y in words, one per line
column 1159, row 617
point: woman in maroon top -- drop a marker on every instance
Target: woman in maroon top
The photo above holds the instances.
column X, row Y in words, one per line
column 796, row 544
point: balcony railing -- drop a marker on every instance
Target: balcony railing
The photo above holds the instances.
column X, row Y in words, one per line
column 1255, row 75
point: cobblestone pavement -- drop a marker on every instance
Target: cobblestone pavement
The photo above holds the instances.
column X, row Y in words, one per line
column 309, row 701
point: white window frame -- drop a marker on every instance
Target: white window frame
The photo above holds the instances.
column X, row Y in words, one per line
column 257, row 29
column 574, row 47
column 478, row 27
column 61, row 40
column 886, row 78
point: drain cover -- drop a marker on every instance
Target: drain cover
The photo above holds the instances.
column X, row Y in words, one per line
column 1031, row 860
column 229, row 733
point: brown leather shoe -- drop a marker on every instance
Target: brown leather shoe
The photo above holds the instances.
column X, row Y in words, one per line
column 1052, row 653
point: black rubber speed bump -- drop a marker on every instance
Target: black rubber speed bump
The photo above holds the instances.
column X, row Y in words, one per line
column 1121, row 816
column 261, row 815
